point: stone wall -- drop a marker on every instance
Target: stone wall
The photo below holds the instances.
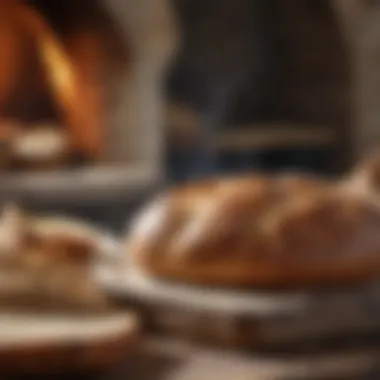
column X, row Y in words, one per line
column 150, row 28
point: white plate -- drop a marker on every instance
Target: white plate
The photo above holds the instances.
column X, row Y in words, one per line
column 361, row 302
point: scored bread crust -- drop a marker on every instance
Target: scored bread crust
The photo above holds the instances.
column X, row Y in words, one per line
column 257, row 230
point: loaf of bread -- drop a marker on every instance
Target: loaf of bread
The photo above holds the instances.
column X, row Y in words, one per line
column 48, row 262
column 259, row 231
column 54, row 316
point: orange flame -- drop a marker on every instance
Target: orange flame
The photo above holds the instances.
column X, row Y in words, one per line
column 74, row 82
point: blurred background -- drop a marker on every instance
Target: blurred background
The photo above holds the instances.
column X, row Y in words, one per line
column 160, row 92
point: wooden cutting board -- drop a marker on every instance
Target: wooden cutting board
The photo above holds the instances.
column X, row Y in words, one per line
column 35, row 343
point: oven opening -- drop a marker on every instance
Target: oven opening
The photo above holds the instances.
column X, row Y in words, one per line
column 59, row 66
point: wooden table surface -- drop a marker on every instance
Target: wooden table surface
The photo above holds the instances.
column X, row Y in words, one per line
column 165, row 359
column 159, row 359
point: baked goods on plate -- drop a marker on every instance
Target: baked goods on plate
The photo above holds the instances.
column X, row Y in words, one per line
column 53, row 314
column 259, row 231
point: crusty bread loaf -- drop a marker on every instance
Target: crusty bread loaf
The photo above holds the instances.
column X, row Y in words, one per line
column 35, row 343
column 283, row 231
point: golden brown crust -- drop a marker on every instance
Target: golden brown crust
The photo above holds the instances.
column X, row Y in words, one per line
column 268, row 275
column 256, row 230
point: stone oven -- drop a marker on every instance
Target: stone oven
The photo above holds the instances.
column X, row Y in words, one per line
column 262, row 73
column 95, row 69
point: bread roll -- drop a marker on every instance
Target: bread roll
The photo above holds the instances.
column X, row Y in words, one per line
column 259, row 231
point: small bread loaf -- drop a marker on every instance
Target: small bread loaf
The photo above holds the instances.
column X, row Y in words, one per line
column 48, row 262
column 54, row 316
column 283, row 231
